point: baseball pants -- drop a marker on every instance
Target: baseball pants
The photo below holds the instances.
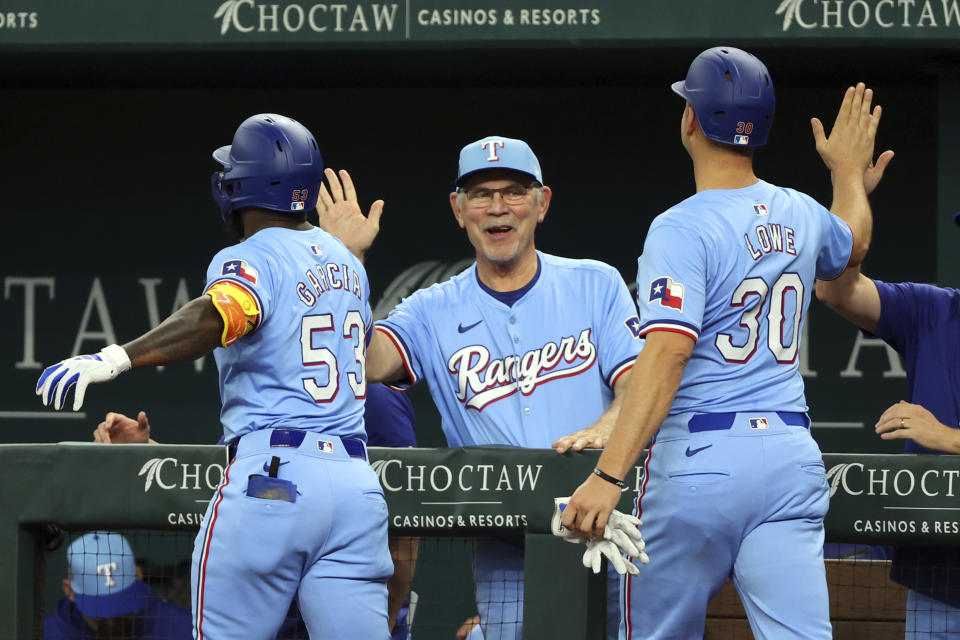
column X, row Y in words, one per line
column 297, row 513
column 732, row 494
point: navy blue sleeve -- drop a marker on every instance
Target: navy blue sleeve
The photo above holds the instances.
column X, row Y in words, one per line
column 906, row 310
column 388, row 418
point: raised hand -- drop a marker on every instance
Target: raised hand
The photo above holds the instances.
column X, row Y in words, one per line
column 850, row 143
column 340, row 214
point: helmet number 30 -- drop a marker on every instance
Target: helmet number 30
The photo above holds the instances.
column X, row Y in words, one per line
column 353, row 330
column 745, row 127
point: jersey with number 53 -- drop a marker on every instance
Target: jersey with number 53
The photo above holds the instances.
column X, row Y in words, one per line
column 301, row 364
column 734, row 269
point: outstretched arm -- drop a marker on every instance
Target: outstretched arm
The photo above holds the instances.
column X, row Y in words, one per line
column 854, row 296
column 193, row 330
column 384, row 363
column 190, row 332
column 848, row 153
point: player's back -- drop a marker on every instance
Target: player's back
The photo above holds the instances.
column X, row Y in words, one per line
column 302, row 366
column 742, row 280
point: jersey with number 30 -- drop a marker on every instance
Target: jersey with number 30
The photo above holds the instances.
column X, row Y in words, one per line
column 303, row 365
column 734, row 270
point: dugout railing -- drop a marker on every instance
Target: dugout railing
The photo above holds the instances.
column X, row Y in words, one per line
column 462, row 492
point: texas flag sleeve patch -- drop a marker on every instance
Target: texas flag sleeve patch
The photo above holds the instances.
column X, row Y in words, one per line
column 240, row 269
column 667, row 292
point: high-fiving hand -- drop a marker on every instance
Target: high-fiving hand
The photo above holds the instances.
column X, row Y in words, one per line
column 340, row 215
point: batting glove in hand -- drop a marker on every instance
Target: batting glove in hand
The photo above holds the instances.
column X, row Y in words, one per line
column 56, row 380
column 596, row 548
column 620, row 536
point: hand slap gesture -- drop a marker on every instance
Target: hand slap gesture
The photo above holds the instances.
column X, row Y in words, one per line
column 850, row 144
column 340, row 214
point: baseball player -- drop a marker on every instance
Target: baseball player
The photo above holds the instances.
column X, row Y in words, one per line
column 734, row 482
column 389, row 422
column 299, row 511
column 520, row 349
column 922, row 323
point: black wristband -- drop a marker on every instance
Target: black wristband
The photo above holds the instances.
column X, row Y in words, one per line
column 609, row 478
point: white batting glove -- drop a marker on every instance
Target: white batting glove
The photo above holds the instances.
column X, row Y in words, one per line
column 596, row 548
column 623, row 530
column 620, row 536
column 56, row 380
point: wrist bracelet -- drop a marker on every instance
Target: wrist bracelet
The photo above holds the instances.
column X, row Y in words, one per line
column 609, row 478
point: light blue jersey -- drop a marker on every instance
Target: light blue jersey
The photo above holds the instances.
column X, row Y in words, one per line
column 734, row 270
column 299, row 513
column 302, row 367
column 521, row 375
column 734, row 483
column 523, row 369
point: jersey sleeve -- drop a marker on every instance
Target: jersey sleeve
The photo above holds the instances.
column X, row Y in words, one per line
column 671, row 281
column 618, row 328
column 407, row 329
column 836, row 244
column 907, row 310
column 248, row 269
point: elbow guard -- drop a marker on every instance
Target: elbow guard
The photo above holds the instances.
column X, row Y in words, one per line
column 238, row 307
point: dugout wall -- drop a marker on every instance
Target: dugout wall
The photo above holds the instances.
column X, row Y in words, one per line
column 875, row 499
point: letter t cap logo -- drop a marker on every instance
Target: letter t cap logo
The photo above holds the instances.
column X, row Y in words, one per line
column 491, row 147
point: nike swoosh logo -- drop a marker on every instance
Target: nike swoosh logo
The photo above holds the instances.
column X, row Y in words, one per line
column 463, row 329
column 693, row 452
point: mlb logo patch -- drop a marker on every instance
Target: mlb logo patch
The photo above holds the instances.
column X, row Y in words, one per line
column 317, row 251
column 324, row 446
column 241, row 269
column 667, row 292
column 759, row 423
column 761, row 210
column 296, row 206
column 741, row 139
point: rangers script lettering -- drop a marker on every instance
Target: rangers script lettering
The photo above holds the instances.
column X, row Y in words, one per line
column 502, row 377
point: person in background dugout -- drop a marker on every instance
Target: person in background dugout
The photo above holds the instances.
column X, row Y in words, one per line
column 389, row 422
column 105, row 597
column 922, row 323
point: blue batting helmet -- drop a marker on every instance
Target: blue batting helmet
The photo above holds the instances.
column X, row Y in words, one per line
column 273, row 163
column 732, row 95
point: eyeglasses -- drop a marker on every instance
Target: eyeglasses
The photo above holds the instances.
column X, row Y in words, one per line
column 481, row 197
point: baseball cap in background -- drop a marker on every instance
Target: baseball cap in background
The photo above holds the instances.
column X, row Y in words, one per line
column 497, row 152
column 103, row 576
column 956, row 218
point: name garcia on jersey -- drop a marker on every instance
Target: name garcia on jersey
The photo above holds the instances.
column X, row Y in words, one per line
column 491, row 380
column 329, row 277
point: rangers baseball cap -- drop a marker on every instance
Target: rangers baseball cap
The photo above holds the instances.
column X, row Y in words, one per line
column 103, row 576
column 497, row 152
